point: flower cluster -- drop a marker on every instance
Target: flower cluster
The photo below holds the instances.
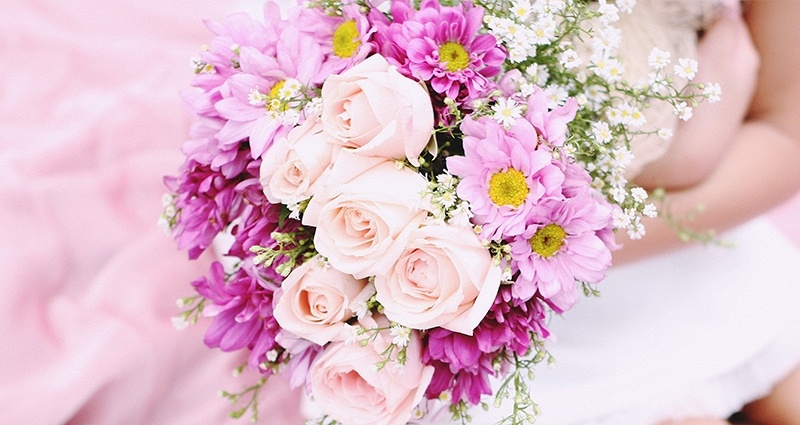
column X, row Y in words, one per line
column 408, row 191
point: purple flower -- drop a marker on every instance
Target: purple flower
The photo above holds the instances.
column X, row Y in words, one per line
column 207, row 201
column 463, row 364
column 242, row 310
column 441, row 45
column 510, row 322
column 256, row 227
column 459, row 366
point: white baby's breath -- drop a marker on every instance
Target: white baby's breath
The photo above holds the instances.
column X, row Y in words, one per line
column 712, row 92
column 658, row 58
column 683, row 111
column 506, row 111
column 664, row 133
column 686, row 68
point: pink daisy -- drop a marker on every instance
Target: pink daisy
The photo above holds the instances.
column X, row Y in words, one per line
column 503, row 175
column 563, row 245
column 243, row 102
column 345, row 40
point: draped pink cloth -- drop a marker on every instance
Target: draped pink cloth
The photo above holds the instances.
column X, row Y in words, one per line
column 90, row 120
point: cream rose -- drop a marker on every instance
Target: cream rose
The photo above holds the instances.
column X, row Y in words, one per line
column 350, row 389
column 315, row 301
column 294, row 164
column 377, row 111
column 363, row 213
column 444, row 277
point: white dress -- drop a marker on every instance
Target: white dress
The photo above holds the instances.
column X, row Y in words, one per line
column 697, row 332
column 694, row 333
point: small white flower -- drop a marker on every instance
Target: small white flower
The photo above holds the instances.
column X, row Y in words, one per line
column 658, row 58
column 622, row 156
column 619, row 219
column 418, row 413
column 683, row 111
column 353, row 334
column 633, row 116
column 289, row 117
column 314, row 107
column 664, row 133
column 618, row 194
column 359, row 308
column 538, row 74
column 650, row 211
column 180, row 323
column 639, row 194
column 401, row 334
column 602, row 134
column 461, row 215
column 506, row 111
column 686, row 68
column 256, row 98
column 163, row 224
column 712, row 92
column 556, row 96
column 272, row 355
column 626, row 6
column 608, row 12
column 569, row 151
column 570, row 59
column 448, row 199
column 608, row 69
column 608, row 38
column 636, row 229
column 614, row 116
column 521, row 9
column 544, row 30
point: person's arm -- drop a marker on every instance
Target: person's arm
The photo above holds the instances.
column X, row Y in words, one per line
column 727, row 56
column 762, row 167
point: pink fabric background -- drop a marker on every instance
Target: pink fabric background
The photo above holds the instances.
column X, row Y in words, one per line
column 89, row 122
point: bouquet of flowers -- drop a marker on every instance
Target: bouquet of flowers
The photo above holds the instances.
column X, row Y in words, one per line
column 407, row 192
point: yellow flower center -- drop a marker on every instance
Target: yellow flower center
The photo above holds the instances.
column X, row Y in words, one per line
column 274, row 100
column 454, row 55
column 548, row 240
column 508, row 188
column 345, row 40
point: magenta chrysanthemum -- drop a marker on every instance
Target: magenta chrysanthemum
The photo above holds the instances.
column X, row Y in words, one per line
column 464, row 364
column 459, row 366
column 443, row 46
column 503, row 175
column 207, row 202
column 560, row 246
column 242, row 310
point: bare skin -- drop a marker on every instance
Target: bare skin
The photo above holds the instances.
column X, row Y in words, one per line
column 753, row 170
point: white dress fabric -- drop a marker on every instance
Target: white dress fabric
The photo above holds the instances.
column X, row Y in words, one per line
column 694, row 333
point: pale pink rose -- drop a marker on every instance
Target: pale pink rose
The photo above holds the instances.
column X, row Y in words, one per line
column 350, row 389
column 444, row 277
column 315, row 301
column 364, row 212
column 293, row 165
column 377, row 111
